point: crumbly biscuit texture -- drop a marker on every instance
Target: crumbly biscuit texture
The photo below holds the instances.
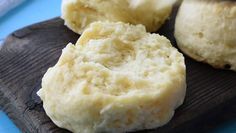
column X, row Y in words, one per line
column 206, row 31
column 78, row 14
column 117, row 78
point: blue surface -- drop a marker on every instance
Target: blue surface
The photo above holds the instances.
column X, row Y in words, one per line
column 6, row 125
column 228, row 127
column 29, row 12
column 33, row 11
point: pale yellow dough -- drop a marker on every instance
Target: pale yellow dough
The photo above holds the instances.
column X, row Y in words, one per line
column 206, row 31
column 117, row 78
column 78, row 14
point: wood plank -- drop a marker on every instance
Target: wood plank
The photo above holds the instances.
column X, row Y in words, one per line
column 29, row 52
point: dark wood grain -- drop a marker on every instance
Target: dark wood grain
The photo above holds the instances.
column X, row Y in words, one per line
column 29, row 52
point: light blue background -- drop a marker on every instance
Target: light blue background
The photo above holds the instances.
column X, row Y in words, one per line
column 29, row 12
column 33, row 11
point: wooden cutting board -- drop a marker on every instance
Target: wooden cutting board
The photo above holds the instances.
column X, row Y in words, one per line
column 29, row 52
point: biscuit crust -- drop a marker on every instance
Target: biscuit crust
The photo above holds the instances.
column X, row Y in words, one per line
column 206, row 31
column 117, row 78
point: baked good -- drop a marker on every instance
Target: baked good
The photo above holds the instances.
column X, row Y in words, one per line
column 206, row 31
column 78, row 14
column 117, row 78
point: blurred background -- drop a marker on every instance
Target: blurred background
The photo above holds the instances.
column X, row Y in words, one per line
column 16, row 14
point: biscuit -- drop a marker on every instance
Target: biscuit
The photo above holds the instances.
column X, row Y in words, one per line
column 78, row 14
column 117, row 78
column 206, row 31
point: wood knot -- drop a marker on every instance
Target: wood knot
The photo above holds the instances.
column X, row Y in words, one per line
column 21, row 33
column 35, row 103
column 31, row 105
